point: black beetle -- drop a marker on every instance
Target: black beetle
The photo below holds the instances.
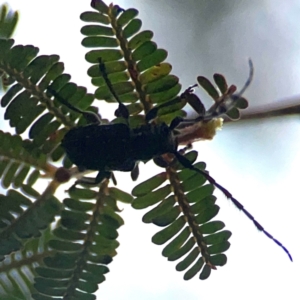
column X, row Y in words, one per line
column 117, row 147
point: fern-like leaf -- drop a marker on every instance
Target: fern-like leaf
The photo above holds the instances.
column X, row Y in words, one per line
column 29, row 76
column 136, row 68
column 17, row 164
column 22, row 219
column 85, row 242
column 17, row 270
column 185, row 207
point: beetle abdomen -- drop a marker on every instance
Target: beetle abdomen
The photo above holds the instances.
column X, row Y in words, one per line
column 99, row 147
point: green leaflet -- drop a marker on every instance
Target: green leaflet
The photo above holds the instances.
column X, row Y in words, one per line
column 161, row 209
column 116, row 77
column 194, row 269
column 65, row 234
column 147, row 48
column 132, row 28
column 61, row 260
column 100, row 6
column 234, row 114
column 52, row 273
column 94, row 17
column 193, row 181
column 166, row 83
column 82, row 194
column 212, row 227
column 201, row 204
column 120, row 195
column 99, row 42
column 155, row 58
column 120, row 88
column 39, row 125
column 218, row 237
column 155, row 73
column 183, row 250
column 21, row 175
column 200, row 193
column 164, row 235
column 10, row 94
column 33, row 177
column 219, row 259
column 208, row 86
column 221, row 82
column 150, row 199
column 205, row 272
column 91, row 30
column 219, row 248
column 176, row 243
column 207, row 214
column 8, row 21
column 126, row 16
column 188, row 260
column 149, row 185
column 140, row 38
column 168, row 217
column 164, row 96
column 106, row 56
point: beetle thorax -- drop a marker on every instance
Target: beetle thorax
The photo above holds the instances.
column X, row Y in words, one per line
column 152, row 140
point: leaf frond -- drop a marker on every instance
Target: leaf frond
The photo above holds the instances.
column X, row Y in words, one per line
column 17, row 270
column 85, row 243
column 134, row 65
column 22, row 219
column 185, row 207
column 18, row 165
column 30, row 77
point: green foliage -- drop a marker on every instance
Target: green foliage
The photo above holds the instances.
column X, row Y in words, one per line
column 8, row 22
column 85, row 242
column 18, row 268
column 185, row 208
column 66, row 246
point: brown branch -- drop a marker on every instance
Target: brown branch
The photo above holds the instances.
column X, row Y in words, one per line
column 283, row 108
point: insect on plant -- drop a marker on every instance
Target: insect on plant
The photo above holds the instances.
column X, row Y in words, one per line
column 79, row 234
column 118, row 147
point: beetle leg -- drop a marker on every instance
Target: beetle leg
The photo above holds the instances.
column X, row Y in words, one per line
column 186, row 96
column 135, row 172
column 113, row 178
column 159, row 161
column 89, row 181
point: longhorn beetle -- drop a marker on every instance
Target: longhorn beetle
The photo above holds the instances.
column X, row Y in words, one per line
column 117, row 147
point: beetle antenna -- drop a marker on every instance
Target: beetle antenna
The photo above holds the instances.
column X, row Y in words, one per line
column 249, row 80
column 122, row 111
column 88, row 115
column 187, row 164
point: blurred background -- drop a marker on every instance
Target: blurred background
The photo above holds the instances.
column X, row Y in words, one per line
column 256, row 161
